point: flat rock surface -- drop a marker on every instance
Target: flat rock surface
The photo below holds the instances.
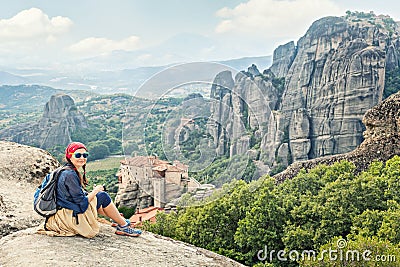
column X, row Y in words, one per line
column 26, row 248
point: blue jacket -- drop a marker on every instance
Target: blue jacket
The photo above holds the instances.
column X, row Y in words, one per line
column 70, row 194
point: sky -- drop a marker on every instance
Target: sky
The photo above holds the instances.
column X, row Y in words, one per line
column 131, row 33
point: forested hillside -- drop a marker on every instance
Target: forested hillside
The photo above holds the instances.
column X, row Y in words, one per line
column 309, row 212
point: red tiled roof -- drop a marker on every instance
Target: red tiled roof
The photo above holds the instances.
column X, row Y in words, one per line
column 145, row 210
column 157, row 164
column 141, row 161
column 138, row 161
column 147, row 214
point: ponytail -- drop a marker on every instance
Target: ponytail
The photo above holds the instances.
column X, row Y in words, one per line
column 84, row 181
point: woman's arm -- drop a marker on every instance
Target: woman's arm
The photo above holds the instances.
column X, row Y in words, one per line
column 77, row 195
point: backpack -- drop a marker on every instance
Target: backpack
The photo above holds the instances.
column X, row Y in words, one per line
column 45, row 197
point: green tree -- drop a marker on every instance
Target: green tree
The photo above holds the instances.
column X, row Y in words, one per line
column 127, row 211
column 367, row 224
column 300, row 198
column 391, row 174
column 390, row 227
column 263, row 225
column 165, row 225
column 213, row 226
column 392, row 82
column 98, row 150
column 114, row 145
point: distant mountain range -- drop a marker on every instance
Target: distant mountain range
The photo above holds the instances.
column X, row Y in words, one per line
column 113, row 81
column 28, row 98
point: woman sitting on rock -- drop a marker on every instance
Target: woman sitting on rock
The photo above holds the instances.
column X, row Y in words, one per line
column 79, row 209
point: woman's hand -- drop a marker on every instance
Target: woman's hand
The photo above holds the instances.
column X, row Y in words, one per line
column 94, row 192
column 98, row 188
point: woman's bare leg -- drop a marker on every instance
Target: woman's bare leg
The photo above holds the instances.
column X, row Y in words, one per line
column 101, row 211
column 112, row 212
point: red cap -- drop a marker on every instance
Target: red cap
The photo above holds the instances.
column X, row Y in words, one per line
column 72, row 147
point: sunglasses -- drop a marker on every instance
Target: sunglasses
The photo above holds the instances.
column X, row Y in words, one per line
column 78, row 155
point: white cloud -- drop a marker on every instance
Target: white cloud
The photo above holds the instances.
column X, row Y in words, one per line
column 32, row 38
column 96, row 46
column 32, row 24
column 274, row 18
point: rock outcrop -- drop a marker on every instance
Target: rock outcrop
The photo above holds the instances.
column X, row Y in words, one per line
column 311, row 102
column 21, row 168
column 382, row 140
column 135, row 195
column 21, row 163
column 336, row 76
column 240, row 106
column 283, row 59
column 60, row 118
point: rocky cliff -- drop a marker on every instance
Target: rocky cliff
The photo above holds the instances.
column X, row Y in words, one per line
column 382, row 140
column 21, row 169
column 311, row 101
column 60, row 118
column 240, row 108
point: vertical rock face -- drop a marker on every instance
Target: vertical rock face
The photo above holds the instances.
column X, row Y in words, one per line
column 60, row 118
column 331, row 78
column 283, row 58
column 381, row 140
column 221, row 110
column 240, row 109
column 336, row 77
column 62, row 107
